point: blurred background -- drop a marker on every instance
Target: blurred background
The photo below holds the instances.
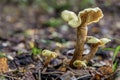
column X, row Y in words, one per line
column 22, row 21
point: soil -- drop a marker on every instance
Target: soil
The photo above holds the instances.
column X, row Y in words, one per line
column 20, row 26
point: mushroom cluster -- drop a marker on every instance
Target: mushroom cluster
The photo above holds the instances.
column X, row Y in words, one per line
column 84, row 18
column 48, row 55
column 95, row 42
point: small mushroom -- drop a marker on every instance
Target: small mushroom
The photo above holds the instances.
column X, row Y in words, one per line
column 59, row 46
column 91, row 39
column 79, row 63
column 48, row 56
column 84, row 18
column 95, row 44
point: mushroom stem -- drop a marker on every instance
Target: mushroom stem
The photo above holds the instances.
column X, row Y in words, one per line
column 92, row 52
column 47, row 61
column 81, row 39
column 84, row 18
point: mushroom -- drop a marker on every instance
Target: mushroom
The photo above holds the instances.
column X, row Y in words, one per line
column 48, row 56
column 85, row 17
column 79, row 63
column 71, row 18
column 59, row 46
column 95, row 44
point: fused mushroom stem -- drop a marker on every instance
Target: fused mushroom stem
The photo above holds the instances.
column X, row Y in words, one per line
column 81, row 39
column 85, row 17
column 47, row 61
column 95, row 44
column 94, row 48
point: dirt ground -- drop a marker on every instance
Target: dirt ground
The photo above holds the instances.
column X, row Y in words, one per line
column 21, row 25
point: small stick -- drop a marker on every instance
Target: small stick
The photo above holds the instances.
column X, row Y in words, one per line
column 10, row 77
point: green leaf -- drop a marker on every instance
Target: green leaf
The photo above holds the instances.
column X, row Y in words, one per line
column 114, row 67
column 109, row 49
column 2, row 54
column 53, row 22
column 2, row 78
column 36, row 51
column 117, row 49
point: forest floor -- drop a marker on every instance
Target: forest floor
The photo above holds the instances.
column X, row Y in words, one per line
column 22, row 26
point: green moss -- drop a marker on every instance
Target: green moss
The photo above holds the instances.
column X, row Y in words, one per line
column 36, row 51
column 2, row 54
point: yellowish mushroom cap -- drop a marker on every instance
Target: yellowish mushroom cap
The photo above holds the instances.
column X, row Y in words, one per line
column 79, row 63
column 94, row 40
column 48, row 53
column 91, row 39
column 90, row 15
column 87, row 16
column 105, row 40
column 71, row 18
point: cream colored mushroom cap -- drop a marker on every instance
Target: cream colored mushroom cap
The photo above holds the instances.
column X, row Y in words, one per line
column 68, row 15
column 90, row 15
column 94, row 40
column 48, row 53
column 91, row 39
column 71, row 18
column 78, row 63
column 105, row 40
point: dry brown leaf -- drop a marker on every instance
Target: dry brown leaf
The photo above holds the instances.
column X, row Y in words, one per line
column 3, row 65
column 105, row 70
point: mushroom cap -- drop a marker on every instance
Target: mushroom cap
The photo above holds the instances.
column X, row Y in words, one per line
column 48, row 53
column 68, row 15
column 87, row 16
column 71, row 18
column 94, row 40
column 90, row 15
column 78, row 63
column 105, row 40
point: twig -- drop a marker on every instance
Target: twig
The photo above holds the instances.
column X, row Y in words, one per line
column 39, row 73
column 52, row 72
column 10, row 77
